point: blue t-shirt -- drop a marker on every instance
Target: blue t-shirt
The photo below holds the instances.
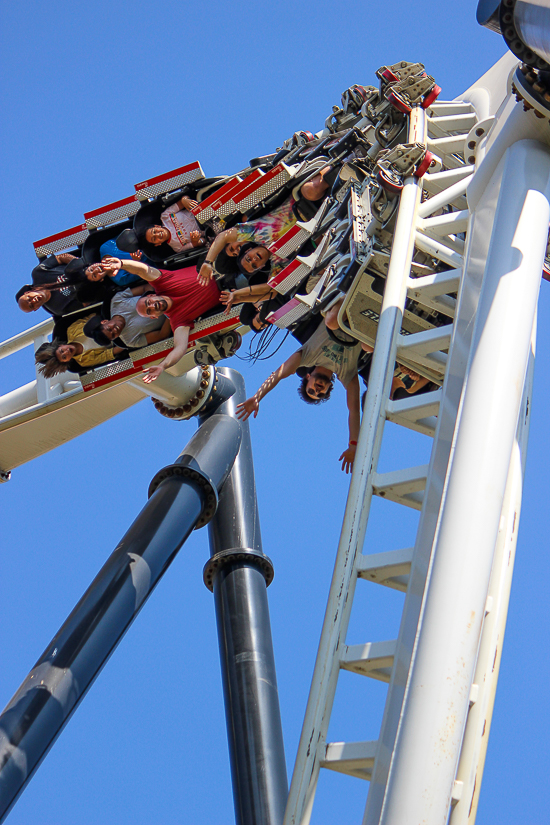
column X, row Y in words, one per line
column 122, row 278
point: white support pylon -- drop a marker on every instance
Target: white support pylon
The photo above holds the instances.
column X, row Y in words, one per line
column 428, row 739
column 482, row 694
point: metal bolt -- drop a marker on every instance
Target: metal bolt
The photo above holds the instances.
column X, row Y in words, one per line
column 480, row 132
column 472, row 144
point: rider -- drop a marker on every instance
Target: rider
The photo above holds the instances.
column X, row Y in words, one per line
column 316, row 363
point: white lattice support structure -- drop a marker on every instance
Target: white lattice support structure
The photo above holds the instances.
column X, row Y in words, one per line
column 483, row 225
column 313, row 747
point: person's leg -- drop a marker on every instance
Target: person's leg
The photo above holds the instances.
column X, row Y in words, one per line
column 331, row 318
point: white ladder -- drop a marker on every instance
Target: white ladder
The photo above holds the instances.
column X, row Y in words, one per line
column 399, row 787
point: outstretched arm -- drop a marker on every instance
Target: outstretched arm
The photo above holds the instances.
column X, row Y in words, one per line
column 248, row 294
column 181, row 339
column 353, row 393
column 112, row 265
column 205, row 274
column 251, row 405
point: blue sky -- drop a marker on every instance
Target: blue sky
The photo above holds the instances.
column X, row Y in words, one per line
column 98, row 97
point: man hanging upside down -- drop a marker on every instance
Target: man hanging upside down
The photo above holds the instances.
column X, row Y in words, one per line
column 177, row 295
column 316, row 362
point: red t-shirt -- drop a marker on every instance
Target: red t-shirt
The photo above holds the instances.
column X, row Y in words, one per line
column 190, row 299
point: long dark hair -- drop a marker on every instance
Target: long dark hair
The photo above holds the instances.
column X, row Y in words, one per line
column 46, row 356
column 242, row 252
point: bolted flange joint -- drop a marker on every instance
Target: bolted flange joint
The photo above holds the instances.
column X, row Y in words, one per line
column 190, row 408
column 532, row 88
column 240, row 556
column 199, row 480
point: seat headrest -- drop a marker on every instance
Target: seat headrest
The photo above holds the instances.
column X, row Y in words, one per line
column 128, row 241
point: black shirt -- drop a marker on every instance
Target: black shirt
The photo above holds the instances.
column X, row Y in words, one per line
column 62, row 301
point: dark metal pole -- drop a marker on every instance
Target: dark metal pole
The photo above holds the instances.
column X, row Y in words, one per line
column 183, row 496
column 525, row 26
column 238, row 572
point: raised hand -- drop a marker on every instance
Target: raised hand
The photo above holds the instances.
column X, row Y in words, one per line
column 111, row 265
column 347, row 458
column 136, row 256
column 414, row 375
column 227, row 297
column 245, row 410
column 152, row 374
column 195, row 237
column 188, row 203
column 205, row 274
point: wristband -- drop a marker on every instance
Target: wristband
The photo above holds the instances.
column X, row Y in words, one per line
column 353, row 442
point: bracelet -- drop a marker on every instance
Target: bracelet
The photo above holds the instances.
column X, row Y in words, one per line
column 353, row 442
column 208, row 262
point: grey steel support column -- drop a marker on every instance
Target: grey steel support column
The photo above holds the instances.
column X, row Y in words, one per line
column 238, row 572
column 183, row 496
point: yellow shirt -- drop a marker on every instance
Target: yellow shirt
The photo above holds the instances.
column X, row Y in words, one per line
column 90, row 357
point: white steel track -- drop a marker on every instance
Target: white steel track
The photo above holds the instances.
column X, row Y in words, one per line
column 489, row 225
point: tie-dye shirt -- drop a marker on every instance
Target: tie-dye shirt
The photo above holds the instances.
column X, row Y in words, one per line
column 268, row 229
